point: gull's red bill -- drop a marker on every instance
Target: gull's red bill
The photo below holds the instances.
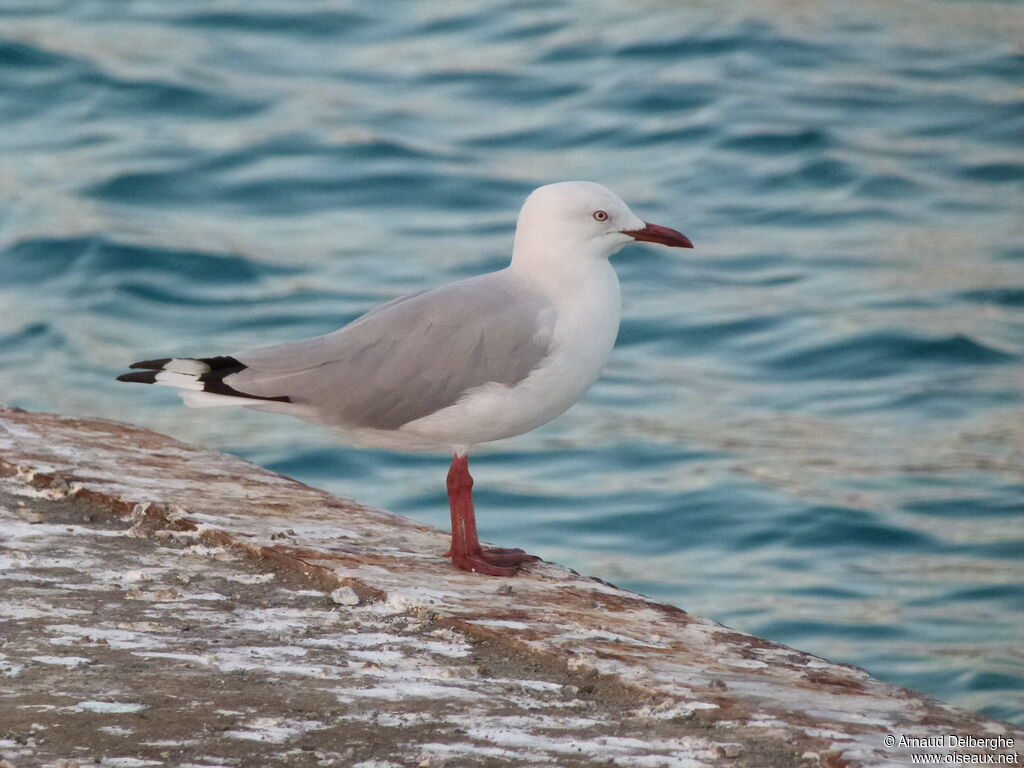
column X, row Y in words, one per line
column 654, row 233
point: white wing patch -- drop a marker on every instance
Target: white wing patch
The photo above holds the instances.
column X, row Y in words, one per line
column 179, row 380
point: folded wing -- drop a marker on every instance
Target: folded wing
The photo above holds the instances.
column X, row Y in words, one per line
column 409, row 358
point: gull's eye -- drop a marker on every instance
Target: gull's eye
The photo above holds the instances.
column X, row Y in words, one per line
column 600, row 215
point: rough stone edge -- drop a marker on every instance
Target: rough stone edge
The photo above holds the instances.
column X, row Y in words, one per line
column 157, row 517
column 153, row 517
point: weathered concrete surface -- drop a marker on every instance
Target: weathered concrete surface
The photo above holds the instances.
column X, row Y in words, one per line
column 168, row 606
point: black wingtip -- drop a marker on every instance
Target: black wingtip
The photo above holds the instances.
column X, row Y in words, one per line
column 143, row 377
column 154, row 365
column 212, row 380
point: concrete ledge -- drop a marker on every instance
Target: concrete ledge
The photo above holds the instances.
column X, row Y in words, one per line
column 163, row 605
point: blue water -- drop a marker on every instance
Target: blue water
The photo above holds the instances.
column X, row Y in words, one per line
column 813, row 425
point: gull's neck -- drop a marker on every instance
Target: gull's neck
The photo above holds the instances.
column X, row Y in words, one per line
column 558, row 265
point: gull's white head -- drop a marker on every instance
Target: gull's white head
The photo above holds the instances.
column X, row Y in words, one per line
column 574, row 220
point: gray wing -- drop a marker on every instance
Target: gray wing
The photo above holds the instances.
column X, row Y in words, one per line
column 409, row 358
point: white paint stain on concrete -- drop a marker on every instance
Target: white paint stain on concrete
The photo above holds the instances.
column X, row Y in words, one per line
column 110, row 707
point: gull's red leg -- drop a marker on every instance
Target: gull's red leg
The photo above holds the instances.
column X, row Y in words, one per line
column 465, row 550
